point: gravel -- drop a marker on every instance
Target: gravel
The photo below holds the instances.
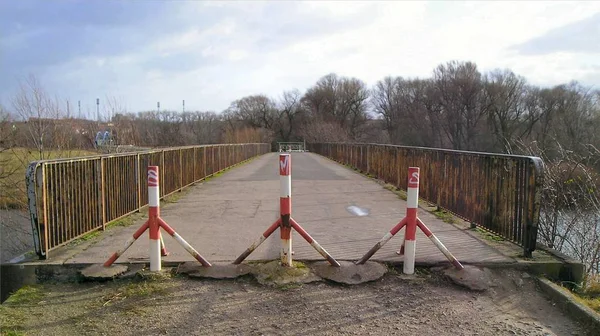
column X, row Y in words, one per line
column 428, row 304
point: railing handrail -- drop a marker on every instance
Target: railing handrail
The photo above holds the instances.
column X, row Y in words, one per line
column 147, row 151
column 500, row 192
column 69, row 197
column 434, row 149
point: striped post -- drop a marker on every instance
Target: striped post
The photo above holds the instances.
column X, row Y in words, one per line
column 153, row 214
column 285, row 207
column 154, row 223
column 410, row 237
column 286, row 222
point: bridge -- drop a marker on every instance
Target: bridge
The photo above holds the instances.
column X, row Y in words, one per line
column 338, row 190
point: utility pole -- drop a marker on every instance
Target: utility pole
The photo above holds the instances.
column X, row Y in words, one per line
column 79, row 109
column 183, row 106
column 68, row 110
column 98, row 109
column 157, row 106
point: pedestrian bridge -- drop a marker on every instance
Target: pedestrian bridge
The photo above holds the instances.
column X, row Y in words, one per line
column 344, row 210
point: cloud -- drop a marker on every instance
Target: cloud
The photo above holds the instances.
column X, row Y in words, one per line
column 578, row 37
column 211, row 53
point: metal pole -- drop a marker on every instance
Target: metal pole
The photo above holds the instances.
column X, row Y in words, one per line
column 98, row 109
column 153, row 213
column 285, row 207
column 412, row 203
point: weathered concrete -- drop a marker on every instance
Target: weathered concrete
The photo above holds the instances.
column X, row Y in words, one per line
column 568, row 303
column 223, row 216
column 471, row 277
column 216, row 271
column 99, row 272
column 349, row 273
column 273, row 274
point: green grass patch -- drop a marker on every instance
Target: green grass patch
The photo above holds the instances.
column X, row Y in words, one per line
column 144, row 286
column 588, row 293
column 26, row 295
column 123, row 222
column 400, row 193
column 444, row 216
column 487, row 235
column 11, row 318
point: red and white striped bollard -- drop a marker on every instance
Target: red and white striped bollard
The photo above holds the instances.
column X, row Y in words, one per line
column 285, row 207
column 412, row 204
column 153, row 214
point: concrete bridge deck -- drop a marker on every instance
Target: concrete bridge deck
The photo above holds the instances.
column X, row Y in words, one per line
column 223, row 216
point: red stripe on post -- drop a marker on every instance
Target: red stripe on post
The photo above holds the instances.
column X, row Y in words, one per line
column 272, row 228
column 286, row 232
column 411, row 227
column 413, row 177
column 424, row 228
column 153, row 176
column 141, row 230
column 398, row 227
column 301, row 231
column 285, row 164
column 166, row 226
column 285, row 206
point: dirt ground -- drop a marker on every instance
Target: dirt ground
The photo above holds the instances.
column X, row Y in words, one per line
column 426, row 305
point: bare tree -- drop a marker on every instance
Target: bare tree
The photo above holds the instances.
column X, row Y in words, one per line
column 289, row 108
column 459, row 88
column 339, row 99
column 504, row 95
column 39, row 112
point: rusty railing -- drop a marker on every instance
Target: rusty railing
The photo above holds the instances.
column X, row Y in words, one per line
column 500, row 193
column 71, row 197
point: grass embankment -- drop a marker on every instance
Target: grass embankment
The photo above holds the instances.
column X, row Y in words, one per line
column 589, row 293
column 93, row 302
column 13, row 165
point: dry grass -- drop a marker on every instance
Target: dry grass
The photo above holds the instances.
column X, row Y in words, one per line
column 13, row 165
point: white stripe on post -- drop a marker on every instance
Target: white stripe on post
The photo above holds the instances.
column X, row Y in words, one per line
column 155, row 264
column 412, row 198
column 153, row 193
column 285, row 186
column 409, row 257
column 410, row 237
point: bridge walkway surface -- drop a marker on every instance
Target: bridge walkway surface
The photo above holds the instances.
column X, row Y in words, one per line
column 221, row 217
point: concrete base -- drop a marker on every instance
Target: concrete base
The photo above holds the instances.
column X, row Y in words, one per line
column 99, row 272
column 273, row 274
column 216, row 271
column 471, row 277
column 567, row 302
column 350, row 273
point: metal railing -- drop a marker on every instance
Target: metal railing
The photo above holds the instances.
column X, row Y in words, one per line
column 500, row 193
column 71, row 197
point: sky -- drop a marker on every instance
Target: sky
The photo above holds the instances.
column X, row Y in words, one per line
column 207, row 53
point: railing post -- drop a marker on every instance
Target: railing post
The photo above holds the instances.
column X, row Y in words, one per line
column 161, row 172
column 180, row 169
column 45, row 205
column 138, row 183
column 102, row 194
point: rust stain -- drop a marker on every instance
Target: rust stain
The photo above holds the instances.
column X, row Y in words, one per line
column 498, row 192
